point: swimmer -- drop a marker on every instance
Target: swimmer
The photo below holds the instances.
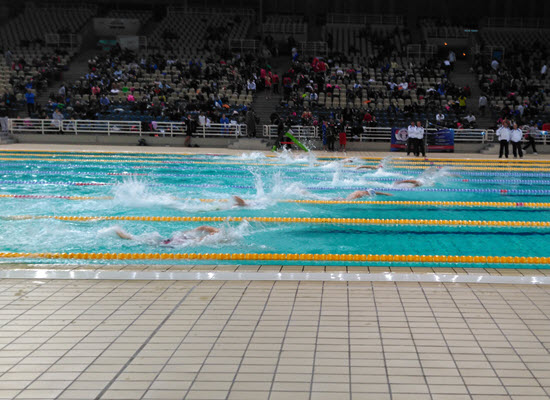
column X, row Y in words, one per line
column 369, row 167
column 414, row 182
column 239, row 202
column 362, row 193
column 196, row 234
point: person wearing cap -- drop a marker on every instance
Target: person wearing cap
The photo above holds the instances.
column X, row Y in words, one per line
column 503, row 133
column 515, row 137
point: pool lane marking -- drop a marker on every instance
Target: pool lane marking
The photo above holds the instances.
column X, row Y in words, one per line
column 361, row 258
column 534, row 182
column 298, row 220
column 328, row 202
column 390, row 158
column 455, row 167
column 272, row 276
column 313, row 188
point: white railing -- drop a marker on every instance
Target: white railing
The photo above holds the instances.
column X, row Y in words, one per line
column 298, row 131
column 244, row 45
column 285, row 28
column 381, row 134
column 364, row 19
column 515, row 22
column 418, row 50
column 313, row 48
column 246, row 12
column 63, row 40
column 78, row 127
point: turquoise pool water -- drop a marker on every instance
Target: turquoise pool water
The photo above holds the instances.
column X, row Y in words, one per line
column 171, row 185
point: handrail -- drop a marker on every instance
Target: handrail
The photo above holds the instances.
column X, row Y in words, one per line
column 382, row 134
column 364, row 19
column 161, row 128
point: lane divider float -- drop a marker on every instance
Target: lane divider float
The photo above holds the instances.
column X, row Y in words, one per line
column 305, row 220
column 391, row 258
column 483, row 204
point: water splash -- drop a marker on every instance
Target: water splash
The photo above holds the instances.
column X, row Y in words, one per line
column 255, row 155
column 180, row 239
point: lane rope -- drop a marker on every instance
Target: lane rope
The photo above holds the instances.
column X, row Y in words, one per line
column 364, row 177
column 483, row 204
column 312, row 188
column 307, row 220
column 541, row 169
column 429, row 259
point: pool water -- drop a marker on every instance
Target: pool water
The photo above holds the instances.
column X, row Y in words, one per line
column 158, row 185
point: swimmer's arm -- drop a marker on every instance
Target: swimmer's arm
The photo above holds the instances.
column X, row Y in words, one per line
column 239, row 201
column 208, row 229
column 413, row 181
column 123, row 235
column 367, row 167
column 382, row 194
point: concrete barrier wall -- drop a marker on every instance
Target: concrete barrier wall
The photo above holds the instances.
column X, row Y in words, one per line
column 121, row 140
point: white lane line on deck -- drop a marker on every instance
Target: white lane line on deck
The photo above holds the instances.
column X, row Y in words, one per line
column 270, row 276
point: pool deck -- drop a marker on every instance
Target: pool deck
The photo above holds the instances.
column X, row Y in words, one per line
column 270, row 332
column 225, row 151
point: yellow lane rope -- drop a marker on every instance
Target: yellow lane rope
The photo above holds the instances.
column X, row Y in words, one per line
column 479, row 168
column 308, row 220
column 287, row 257
column 489, row 204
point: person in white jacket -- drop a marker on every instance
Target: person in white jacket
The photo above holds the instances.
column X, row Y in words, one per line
column 411, row 141
column 419, row 146
column 515, row 137
column 503, row 134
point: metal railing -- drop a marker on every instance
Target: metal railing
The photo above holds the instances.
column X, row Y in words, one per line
column 245, row 45
column 381, row 134
column 78, row 127
column 515, row 22
column 285, row 28
column 298, row 131
column 246, row 12
column 313, row 48
column 364, row 19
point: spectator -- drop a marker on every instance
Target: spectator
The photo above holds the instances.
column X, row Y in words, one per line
column 530, row 136
column 515, row 137
column 57, row 119
column 30, row 98
column 503, row 133
column 250, row 123
column 482, row 104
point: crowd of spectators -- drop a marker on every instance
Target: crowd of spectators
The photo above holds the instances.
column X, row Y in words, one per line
column 121, row 84
column 381, row 92
column 515, row 87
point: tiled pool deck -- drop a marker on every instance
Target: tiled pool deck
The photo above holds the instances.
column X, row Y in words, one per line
column 250, row 338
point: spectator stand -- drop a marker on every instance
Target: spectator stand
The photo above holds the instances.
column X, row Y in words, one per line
column 280, row 27
column 79, row 127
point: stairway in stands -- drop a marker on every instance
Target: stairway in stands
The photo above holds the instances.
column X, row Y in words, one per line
column 461, row 76
column 265, row 107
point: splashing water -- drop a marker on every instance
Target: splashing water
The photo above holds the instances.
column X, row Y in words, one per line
column 135, row 193
column 186, row 238
column 256, row 155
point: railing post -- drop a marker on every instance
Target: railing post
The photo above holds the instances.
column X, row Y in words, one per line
column 76, row 127
column 42, row 125
column 108, row 128
column 204, row 131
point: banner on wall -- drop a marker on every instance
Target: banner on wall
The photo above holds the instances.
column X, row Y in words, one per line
column 442, row 141
column 129, row 42
column 116, row 26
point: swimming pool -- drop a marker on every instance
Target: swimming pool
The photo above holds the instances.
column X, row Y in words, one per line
column 68, row 208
